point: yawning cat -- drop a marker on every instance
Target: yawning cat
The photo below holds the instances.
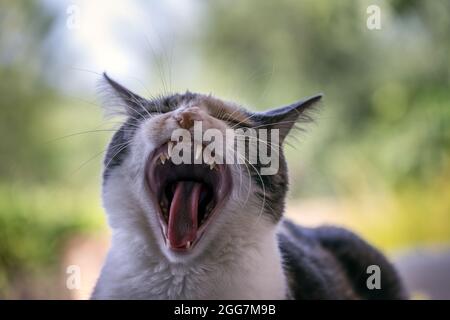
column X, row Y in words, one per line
column 214, row 229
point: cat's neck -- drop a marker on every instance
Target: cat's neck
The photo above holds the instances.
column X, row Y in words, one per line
column 238, row 267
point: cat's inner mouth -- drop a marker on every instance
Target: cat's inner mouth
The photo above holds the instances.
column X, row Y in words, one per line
column 188, row 196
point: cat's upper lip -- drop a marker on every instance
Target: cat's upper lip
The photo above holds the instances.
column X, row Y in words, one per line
column 187, row 196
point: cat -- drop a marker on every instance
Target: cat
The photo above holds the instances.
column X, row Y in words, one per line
column 197, row 231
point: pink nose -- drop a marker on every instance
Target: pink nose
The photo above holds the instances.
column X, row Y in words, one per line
column 186, row 117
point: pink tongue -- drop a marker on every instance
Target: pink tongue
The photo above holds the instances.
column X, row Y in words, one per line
column 183, row 224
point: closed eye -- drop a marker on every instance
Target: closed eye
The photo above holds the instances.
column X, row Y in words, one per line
column 235, row 123
column 158, row 109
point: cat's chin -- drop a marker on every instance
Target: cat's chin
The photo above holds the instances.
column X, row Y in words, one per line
column 188, row 198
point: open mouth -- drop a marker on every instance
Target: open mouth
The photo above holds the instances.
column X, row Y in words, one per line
column 188, row 196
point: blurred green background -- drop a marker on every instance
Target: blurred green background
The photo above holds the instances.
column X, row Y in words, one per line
column 377, row 158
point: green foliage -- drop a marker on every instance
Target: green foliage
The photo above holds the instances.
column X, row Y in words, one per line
column 407, row 218
column 34, row 225
column 42, row 199
column 24, row 96
column 386, row 92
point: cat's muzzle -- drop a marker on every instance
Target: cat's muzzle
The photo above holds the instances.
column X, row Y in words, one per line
column 188, row 196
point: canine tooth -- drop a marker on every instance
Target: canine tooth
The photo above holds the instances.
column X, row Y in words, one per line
column 188, row 245
column 162, row 157
column 169, row 149
column 212, row 165
column 198, row 151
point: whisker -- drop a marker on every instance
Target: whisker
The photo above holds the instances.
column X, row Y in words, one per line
column 81, row 133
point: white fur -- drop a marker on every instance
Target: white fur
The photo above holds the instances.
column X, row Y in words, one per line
column 237, row 257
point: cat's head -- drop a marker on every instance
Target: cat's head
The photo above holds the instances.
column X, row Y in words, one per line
column 175, row 172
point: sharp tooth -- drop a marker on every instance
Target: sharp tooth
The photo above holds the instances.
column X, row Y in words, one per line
column 188, row 245
column 212, row 165
column 208, row 159
column 162, row 157
column 169, row 149
column 198, row 151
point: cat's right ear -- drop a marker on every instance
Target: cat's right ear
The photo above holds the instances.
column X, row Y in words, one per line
column 285, row 118
column 118, row 100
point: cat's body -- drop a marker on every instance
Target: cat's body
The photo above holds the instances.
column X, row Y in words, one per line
column 244, row 249
column 238, row 269
column 333, row 263
column 302, row 267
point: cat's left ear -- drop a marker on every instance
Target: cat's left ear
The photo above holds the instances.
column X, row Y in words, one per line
column 119, row 100
column 284, row 118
